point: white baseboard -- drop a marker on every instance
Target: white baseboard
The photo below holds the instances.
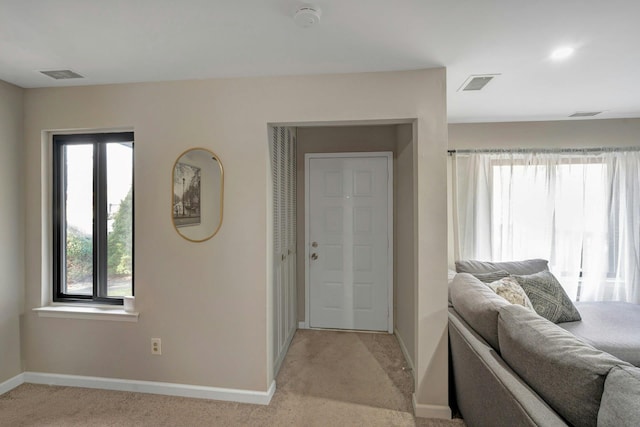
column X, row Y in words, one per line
column 430, row 411
column 405, row 352
column 302, row 325
column 169, row 389
column 11, row 383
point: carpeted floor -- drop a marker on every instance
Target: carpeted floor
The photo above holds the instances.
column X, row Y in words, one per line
column 327, row 379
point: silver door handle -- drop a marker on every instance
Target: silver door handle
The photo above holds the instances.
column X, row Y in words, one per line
column 314, row 256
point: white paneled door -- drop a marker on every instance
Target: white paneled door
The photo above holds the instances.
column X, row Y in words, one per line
column 349, row 247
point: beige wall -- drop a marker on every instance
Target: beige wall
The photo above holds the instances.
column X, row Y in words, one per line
column 331, row 139
column 404, row 268
column 557, row 134
column 11, row 229
column 210, row 302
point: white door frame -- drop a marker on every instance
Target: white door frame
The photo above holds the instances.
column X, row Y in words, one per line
column 307, row 160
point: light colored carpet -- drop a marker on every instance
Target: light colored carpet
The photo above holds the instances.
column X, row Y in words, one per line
column 327, row 379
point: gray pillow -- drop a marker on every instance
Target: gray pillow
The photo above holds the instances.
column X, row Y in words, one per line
column 620, row 404
column 548, row 298
column 491, row 276
column 478, row 305
column 528, row 266
column 567, row 373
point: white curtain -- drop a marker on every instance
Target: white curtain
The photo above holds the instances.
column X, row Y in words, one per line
column 578, row 209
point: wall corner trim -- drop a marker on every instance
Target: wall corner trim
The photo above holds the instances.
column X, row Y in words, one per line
column 431, row 411
column 153, row 387
column 11, row 383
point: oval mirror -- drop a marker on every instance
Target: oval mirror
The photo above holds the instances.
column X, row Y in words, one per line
column 197, row 194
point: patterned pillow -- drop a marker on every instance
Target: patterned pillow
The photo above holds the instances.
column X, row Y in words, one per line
column 548, row 298
column 509, row 289
column 491, row 276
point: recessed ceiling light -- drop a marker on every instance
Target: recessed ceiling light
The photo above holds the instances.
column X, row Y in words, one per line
column 562, row 53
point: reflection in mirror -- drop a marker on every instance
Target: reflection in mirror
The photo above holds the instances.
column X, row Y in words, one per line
column 198, row 186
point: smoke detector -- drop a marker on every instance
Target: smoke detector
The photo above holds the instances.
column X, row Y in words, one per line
column 307, row 16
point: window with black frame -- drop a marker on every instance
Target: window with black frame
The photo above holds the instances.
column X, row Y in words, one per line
column 93, row 217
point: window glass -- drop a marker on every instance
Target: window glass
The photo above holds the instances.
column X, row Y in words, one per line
column 119, row 219
column 78, row 219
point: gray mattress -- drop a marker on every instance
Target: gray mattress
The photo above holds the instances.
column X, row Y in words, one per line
column 613, row 327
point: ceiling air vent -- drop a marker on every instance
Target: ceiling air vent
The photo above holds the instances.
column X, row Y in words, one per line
column 476, row 82
column 62, row 74
column 585, row 114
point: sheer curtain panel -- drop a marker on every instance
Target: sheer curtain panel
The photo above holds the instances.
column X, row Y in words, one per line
column 579, row 209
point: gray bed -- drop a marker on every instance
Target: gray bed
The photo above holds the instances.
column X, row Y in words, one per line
column 613, row 327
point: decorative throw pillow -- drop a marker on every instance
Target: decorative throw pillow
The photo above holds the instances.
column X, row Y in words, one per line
column 509, row 289
column 491, row 276
column 451, row 275
column 548, row 298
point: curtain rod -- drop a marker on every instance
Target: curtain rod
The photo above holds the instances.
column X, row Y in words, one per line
column 541, row 150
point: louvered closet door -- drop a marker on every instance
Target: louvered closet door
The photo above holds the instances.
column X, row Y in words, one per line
column 291, row 224
column 277, row 239
column 284, row 235
column 282, row 335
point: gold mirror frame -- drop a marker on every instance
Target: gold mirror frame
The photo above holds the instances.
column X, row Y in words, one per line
column 195, row 215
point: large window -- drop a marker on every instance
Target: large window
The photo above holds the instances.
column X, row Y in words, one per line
column 555, row 209
column 93, row 217
column 576, row 208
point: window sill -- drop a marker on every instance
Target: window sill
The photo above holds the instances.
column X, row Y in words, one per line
column 87, row 312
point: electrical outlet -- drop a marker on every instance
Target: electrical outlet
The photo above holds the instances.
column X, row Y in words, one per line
column 156, row 346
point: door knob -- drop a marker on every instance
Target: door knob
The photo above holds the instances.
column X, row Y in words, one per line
column 314, row 256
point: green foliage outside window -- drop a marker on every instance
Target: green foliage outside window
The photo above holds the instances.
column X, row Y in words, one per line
column 119, row 246
column 79, row 256
column 120, row 240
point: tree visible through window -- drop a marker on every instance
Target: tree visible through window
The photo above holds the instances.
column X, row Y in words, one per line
column 93, row 217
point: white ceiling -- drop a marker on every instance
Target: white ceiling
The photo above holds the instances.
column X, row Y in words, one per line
column 119, row 41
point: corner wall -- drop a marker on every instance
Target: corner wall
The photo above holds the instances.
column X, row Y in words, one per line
column 404, row 242
column 11, row 229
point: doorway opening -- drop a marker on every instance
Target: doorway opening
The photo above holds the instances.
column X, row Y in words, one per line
column 289, row 290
